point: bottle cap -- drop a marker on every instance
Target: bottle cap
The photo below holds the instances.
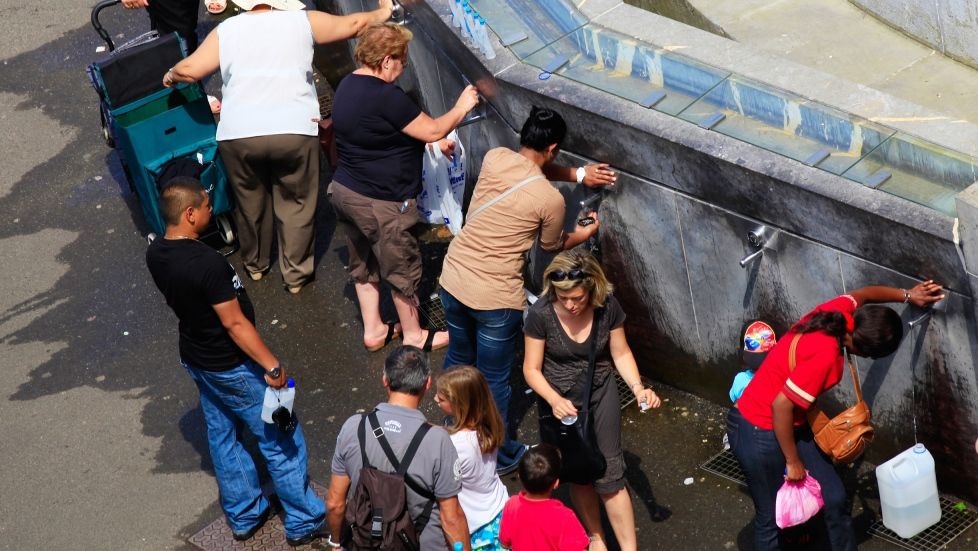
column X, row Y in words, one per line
column 919, row 448
column 291, row 382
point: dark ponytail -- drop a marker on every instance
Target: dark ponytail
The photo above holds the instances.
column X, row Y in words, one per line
column 831, row 322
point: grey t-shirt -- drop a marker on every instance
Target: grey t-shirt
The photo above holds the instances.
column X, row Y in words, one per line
column 435, row 466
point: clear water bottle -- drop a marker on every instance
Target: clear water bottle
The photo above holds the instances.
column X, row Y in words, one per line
column 276, row 398
column 463, row 27
column 908, row 492
column 469, row 23
column 456, row 6
column 484, row 43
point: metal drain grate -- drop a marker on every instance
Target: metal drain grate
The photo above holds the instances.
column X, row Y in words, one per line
column 955, row 519
column 433, row 313
column 625, row 394
column 217, row 535
column 725, row 465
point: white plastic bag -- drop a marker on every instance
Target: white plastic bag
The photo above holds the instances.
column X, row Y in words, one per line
column 451, row 200
column 434, row 178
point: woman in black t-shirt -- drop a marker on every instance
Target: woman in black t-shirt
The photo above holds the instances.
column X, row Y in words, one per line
column 380, row 140
column 558, row 341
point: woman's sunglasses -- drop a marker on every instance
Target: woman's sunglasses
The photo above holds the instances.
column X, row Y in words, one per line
column 573, row 275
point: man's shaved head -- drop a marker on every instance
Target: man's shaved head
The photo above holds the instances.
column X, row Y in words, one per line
column 178, row 195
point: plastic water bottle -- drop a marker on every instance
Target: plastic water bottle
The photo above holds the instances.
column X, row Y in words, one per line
column 276, row 398
column 908, row 492
column 568, row 419
column 463, row 26
column 469, row 23
column 456, row 13
column 484, row 43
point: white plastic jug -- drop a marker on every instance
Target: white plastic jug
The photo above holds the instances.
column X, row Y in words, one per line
column 908, row 492
column 276, row 397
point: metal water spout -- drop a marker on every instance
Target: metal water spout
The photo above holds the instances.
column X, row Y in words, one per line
column 756, row 238
column 398, row 13
column 938, row 306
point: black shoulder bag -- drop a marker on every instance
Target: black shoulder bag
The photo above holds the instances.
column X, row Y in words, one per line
column 581, row 460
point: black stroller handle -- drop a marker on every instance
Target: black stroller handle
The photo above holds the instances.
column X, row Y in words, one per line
column 98, row 26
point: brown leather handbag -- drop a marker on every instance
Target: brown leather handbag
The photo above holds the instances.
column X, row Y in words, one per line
column 847, row 435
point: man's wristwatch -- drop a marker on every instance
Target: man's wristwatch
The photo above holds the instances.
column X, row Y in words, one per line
column 581, row 173
column 274, row 373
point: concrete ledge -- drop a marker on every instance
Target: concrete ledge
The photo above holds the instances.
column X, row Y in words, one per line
column 804, row 81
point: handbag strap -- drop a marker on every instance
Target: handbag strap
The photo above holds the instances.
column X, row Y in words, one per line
column 591, row 360
column 501, row 196
column 852, row 368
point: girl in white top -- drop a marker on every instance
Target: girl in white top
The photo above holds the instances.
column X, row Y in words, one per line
column 477, row 431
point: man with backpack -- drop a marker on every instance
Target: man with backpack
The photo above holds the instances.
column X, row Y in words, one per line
column 396, row 478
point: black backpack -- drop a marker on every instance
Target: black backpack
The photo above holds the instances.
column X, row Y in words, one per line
column 378, row 515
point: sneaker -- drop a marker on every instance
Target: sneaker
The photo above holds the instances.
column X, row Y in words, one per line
column 503, row 470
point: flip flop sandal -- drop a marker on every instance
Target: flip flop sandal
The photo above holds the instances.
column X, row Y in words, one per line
column 391, row 335
column 427, row 347
column 216, row 7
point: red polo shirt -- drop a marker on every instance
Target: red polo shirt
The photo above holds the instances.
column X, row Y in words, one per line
column 818, row 367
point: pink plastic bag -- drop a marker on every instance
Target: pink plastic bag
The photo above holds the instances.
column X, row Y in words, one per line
column 798, row 501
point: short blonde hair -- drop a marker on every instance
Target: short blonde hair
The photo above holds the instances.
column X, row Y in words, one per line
column 379, row 41
column 593, row 280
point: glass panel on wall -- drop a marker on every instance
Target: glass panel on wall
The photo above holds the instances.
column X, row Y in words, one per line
column 525, row 26
column 786, row 124
column 613, row 62
column 916, row 170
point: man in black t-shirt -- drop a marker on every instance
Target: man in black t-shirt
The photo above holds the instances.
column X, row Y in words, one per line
column 231, row 365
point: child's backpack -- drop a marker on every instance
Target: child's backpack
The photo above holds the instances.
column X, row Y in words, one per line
column 378, row 514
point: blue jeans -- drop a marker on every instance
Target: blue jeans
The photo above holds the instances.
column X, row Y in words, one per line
column 235, row 396
column 487, row 339
column 762, row 461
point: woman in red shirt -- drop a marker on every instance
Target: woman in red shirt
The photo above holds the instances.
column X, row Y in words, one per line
column 767, row 428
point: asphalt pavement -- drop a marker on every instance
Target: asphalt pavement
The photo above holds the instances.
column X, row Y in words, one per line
column 103, row 443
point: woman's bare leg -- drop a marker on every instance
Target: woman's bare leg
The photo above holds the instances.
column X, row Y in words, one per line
column 618, row 505
column 585, row 501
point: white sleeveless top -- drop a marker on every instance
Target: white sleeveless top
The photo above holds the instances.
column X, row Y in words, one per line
column 266, row 65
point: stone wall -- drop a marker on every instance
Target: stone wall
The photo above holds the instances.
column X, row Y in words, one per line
column 674, row 230
column 948, row 26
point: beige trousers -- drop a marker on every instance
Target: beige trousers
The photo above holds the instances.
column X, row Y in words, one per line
column 275, row 176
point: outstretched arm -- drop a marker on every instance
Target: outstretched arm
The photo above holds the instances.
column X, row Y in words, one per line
column 331, row 28
column 595, row 175
column 204, row 61
column 921, row 294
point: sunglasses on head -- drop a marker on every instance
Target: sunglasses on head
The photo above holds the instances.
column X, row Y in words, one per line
column 573, row 275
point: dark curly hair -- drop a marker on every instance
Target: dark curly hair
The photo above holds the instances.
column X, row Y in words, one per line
column 877, row 334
